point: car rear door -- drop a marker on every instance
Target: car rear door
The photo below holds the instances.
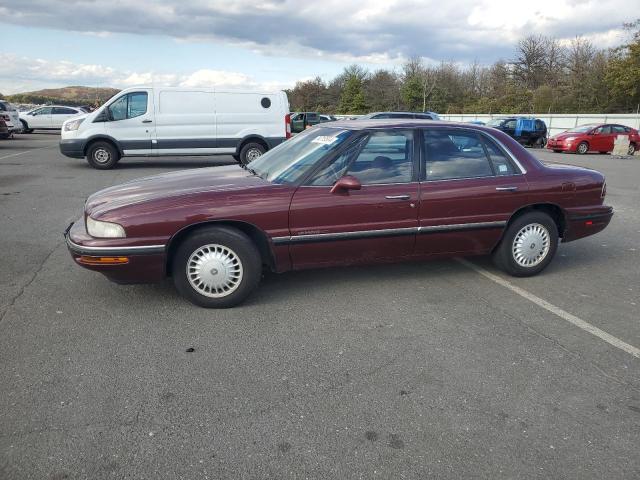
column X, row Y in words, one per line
column 470, row 188
column 376, row 223
column 60, row 114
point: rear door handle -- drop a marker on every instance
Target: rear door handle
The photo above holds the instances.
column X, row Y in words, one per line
column 506, row 189
column 397, row 197
column 146, row 121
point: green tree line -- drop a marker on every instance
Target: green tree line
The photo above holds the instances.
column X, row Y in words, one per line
column 545, row 75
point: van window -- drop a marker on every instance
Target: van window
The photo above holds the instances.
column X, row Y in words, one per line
column 130, row 105
column 180, row 102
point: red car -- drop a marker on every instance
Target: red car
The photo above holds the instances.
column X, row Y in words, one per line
column 343, row 193
column 594, row 137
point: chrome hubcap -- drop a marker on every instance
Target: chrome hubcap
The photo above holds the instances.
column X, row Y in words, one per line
column 252, row 154
column 582, row 148
column 531, row 245
column 101, row 155
column 214, row 271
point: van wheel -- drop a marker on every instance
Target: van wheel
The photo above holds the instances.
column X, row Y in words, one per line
column 102, row 155
column 251, row 151
column 528, row 245
column 216, row 267
column 25, row 127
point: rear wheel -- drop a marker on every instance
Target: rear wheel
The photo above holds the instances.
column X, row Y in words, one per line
column 251, row 151
column 583, row 147
column 632, row 149
column 528, row 245
column 216, row 267
column 557, row 151
column 102, row 155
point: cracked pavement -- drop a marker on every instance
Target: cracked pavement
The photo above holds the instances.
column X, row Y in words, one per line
column 397, row 371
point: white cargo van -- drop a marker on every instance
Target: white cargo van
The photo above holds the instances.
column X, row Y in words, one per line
column 154, row 121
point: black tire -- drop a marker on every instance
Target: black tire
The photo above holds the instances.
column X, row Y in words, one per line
column 217, row 241
column 25, row 127
column 102, row 155
column 603, row 153
column 632, row 149
column 582, row 148
column 251, row 151
column 557, row 151
column 506, row 257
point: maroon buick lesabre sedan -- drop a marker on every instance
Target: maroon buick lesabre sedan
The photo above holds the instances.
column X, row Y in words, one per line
column 340, row 194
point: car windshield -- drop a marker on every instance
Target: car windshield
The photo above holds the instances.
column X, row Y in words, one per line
column 496, row 122
column 582, row 128
column 290, row 160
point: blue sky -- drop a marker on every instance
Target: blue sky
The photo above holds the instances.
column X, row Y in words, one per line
column 269, row 44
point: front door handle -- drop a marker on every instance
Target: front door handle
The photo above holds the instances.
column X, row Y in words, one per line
column 506, row 189
column 397, row 197
column 146, row 121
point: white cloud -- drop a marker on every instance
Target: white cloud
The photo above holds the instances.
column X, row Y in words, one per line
column 20, row 74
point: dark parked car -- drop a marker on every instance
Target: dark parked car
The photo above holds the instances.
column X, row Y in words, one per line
column 350, row 192
column 301, row 120
column 4, row 130
column 400, row 115
column 594, row 137
column 526, row 131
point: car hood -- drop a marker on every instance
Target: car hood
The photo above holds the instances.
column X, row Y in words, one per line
column 170, row 185
column 564, row 136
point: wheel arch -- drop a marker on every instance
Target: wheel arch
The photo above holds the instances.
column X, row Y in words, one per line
column 551, row 209
column 102, row 138
column 254, row 137
column 256, row 234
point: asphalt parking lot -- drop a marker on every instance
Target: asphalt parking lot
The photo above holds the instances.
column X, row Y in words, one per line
column 428, row 370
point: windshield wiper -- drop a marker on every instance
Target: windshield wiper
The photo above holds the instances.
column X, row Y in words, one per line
column 249, row 169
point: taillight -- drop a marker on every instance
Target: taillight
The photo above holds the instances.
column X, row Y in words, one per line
column 287, row 125
column 6, row 118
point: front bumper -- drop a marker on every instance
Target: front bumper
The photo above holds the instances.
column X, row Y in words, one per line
column 558, row 145
column 145, row 263
column 585, row 221
column 72, row 147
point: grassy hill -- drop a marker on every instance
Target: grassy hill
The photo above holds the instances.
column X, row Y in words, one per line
column 75, row 95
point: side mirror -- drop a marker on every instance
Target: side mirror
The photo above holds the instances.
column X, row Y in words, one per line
column 346, row 183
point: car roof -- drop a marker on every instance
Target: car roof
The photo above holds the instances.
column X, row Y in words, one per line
column 371, row 123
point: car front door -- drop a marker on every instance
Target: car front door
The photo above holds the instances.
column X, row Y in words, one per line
column 129, row 120
column 297, row 123
column 41, row 118
column 470, row 188
column 374, row 223
column 602, row 139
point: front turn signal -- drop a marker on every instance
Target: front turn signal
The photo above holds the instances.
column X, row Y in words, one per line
column 89, row 260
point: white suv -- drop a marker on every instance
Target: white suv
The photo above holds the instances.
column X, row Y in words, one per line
column 11, row 116
column 50, row 117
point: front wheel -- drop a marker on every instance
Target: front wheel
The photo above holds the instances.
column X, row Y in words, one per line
column 528, row 245
column 583, row 148
column 25, row 127
column 216, row 267
column 102, row 155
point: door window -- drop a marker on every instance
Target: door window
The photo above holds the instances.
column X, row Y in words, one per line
column 501, row 164
column 130, row 105
column 385, row 157
column 63, row 111
column 43, row 111
column 618, row 129
column 452, row 154
column 510, row 124
column 604, row 130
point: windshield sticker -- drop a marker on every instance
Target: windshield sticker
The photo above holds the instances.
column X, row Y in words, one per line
column 324, row 139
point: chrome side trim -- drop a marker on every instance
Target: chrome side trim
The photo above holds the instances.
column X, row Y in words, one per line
column 137, row 250
column 389, row 232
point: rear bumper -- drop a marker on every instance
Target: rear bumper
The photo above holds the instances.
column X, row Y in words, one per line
column 585, row 221
column 145, row 263
column 72, row 147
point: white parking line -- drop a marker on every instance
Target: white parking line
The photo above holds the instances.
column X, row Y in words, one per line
column 26, row 151
column 578, row 322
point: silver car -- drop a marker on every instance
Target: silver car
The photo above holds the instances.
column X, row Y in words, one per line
column 14, row 118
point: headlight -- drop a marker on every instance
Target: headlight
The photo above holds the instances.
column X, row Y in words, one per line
column 99, row 229
column 569, row 139
column 72, row 125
